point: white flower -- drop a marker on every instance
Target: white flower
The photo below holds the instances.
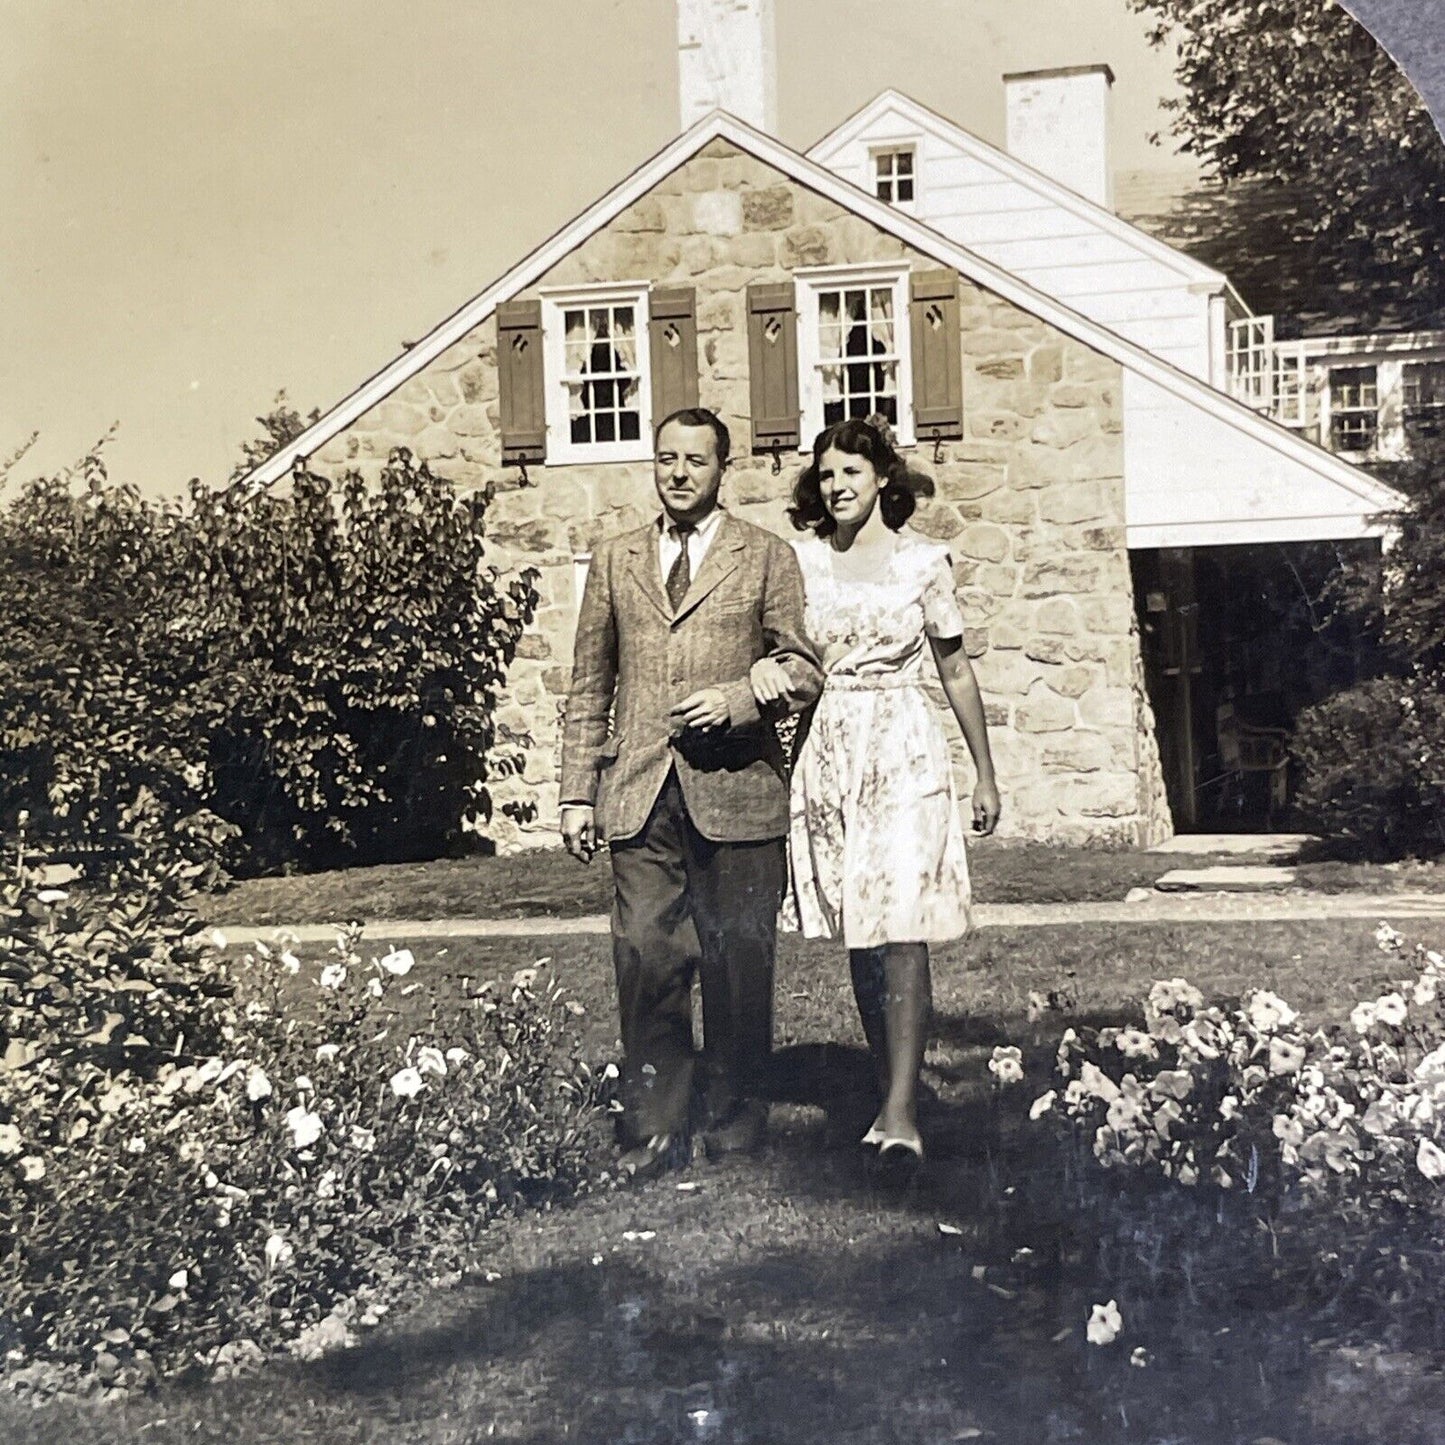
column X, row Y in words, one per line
column 1285, row 1057
column 1268, row 1012
column 373, row 987
column 258, row 1086
column 1424, row 991
column 179, row 1280
column 217, row 939
column 399, row 962
column 333, row 975
column 1432, row 1066
column 326, row 1185
column 1136, row 1044
column 362, row 1140
column 1387, row 938
column 52, row 896
column 136, row 1144
column 611, row 1072
column 1228, row 1106
column 1006, row 1065
column 429, row 1060
column 1172, row 1083
column 457, row 1055
column 1390, row 1009
column 1140, row 1357
column 304, row 1084
column 278, row 1253
column 10, row 1143
column 326, row 1052
column 306, row 1127
column 33, row 1168
column 1362, row 1017
column 290, row 962
column 406, row 1083
column 1430, row 1160
column 1042, row 1105
column 1096, row 1082
column 1104, row 1325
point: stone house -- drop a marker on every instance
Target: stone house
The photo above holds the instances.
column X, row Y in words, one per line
column 784, row 291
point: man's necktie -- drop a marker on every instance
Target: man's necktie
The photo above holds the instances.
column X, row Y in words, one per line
column 679, row 576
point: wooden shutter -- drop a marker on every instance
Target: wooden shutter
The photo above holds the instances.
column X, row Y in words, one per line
column 773, row 365
column 937, row 363
column 672, row 338
column 521, row 380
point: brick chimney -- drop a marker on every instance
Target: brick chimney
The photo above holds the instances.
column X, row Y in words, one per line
column 727, row 60
column 1058, row 122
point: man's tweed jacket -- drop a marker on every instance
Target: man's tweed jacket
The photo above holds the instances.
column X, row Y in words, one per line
column 635, row 659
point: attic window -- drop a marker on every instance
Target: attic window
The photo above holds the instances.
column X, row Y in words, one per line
column 1354, row 408
column 599, row 405
column 894, row 176
column 1423, row 394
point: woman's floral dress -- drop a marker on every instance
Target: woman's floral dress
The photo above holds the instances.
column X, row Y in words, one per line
column 876, row 842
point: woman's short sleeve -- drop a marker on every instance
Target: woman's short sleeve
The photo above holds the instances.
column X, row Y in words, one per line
column 942, row 616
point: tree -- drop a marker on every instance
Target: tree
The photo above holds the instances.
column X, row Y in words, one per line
column 1297, row 93
column 282, row 424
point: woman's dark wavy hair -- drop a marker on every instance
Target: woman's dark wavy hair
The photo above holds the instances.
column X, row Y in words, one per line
column 859, row 439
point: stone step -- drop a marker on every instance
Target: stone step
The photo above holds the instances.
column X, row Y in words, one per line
column 1227, row 878
column 1247, row 845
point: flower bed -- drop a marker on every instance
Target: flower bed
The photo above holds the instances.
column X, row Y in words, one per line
column 209, row 1160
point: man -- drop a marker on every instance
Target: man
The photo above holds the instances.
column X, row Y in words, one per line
column 688, row 790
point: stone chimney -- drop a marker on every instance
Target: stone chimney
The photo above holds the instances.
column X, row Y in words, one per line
column 1058, row 123
column 727, row 60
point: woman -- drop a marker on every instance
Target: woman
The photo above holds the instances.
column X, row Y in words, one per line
column 876, row 844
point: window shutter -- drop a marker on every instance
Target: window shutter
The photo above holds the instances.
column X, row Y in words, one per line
column 773, row 365
column 937, row 364
column 672, row 334
column 520, row 381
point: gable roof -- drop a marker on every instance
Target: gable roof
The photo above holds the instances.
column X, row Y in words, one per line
column 917, row 116
column 915, row 234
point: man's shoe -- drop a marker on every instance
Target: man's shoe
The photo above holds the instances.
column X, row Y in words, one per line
column 743, row 1133
column 660, row 1154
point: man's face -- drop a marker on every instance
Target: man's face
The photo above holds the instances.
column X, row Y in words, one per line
column 687, row 471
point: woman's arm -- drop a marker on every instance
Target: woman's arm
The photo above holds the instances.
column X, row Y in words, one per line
column 960, row 687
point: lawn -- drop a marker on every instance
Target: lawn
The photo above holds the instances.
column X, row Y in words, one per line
column 549, row 883
column 798, row 1297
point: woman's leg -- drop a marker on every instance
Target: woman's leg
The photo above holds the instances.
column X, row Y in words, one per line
column 908, row 1003
column 870, row 985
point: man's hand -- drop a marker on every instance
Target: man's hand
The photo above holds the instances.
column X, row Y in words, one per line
column 706, row 708
column 769, row 681
column 579, row 831
column 986, row 808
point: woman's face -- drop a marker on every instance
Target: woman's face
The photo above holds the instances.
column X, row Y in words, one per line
column 849, row 487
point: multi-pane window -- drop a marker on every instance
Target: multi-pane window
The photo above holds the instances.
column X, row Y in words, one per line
column 858, row 353
column 893, row 175
column 597, row 375
column 1249, row 360
column 1354, row 408
column 854, row 347
column 602, row 377
column 1422, row 386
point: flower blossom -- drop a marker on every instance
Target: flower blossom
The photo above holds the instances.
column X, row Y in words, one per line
column 1136, row 1044
column 406, row 1083
column 278, row 1252
column 1430, row 1160
column 399, row 962
column 1042, row 1105
column 1268, row 1012
column 1006, row 1065
column 326, row 1052
column 1390, row 1009
column 10, row 1142
column 333, row 975
column 32, row 1167
column 305, row 1126
column 362, row 1140
column 1363, row 1017
column 429, row 1060
column 1285, row 1057
column 1104, row 1325
column 258, row 1086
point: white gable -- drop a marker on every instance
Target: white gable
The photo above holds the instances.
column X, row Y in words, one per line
column 1037, row 229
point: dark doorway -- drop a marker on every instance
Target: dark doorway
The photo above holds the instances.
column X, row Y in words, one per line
column 1237, row 641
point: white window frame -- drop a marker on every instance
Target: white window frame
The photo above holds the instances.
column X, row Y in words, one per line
column 1414, row 411
column 876, row 152
column 1291, row 384
column 1332, row 409
column 809, row 283
column 561, row 449
column 1250, row 361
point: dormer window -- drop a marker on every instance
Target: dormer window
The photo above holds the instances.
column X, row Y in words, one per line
column 1354, row 408
column 894, row 176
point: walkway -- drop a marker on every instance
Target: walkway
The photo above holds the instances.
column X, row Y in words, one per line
column 1165, row 908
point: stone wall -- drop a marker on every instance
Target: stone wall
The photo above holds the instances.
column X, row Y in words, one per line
column 1031, row 500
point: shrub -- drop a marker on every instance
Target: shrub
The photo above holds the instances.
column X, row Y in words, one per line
column 299, row 679
column 208, row 1160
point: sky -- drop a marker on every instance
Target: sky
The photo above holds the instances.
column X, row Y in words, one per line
column 205, row 201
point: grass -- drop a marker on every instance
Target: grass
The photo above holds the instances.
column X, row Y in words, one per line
column 798, row 1297
column 548, row 883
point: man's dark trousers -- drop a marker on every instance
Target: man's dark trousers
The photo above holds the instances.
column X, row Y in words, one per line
column 682, row 904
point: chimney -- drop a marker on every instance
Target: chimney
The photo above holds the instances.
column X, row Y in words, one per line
column 1058, row 123
column 727, row 60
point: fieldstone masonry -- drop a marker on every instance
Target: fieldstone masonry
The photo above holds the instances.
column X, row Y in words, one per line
column 1031, row 501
